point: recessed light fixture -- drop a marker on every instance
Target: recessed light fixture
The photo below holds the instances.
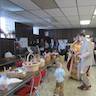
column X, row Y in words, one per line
column 95, row 12
column 85, row 22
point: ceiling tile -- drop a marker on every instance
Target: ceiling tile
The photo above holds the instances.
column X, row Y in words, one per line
column 29, row 16
column 75, row 26
column 75, row 22
column 25, row 14
column 58, row 24
column 69, row 26
column 50, row 20
column 26, row 4
column 61, row 27
column 93, row 22
column 38, row 20
column 70, row 11
column 54, row 12
column 92, row 25
column 45, row 4
column 66, row 3
column 84, row 26
column 40, row 13
column 60, row 17
column 86, row 2
column 17, row 18
column 73, row 18
column 85, row 17
column 86, row 10
column 62, row 20
column 65, row 22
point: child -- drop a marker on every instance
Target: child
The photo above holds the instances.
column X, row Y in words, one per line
column 59, row 75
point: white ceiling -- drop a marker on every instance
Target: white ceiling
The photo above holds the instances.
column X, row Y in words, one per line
column 65, row 14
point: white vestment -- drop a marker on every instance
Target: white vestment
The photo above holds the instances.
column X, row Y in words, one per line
column 86, row 53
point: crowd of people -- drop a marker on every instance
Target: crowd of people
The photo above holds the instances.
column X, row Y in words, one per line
column 59, row 46
column 79, row 57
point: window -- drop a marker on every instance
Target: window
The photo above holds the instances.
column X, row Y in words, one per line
column 36, row 30
column 2, row 24
column 2, row 35
column 7, row 25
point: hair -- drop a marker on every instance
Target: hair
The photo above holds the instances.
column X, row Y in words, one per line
column 59, row 64
column 82, row 34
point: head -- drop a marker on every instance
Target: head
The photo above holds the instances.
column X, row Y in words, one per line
column 81, row 36
column 77, row 38
column 59, row 64
column 54, row 50
column 46, row 50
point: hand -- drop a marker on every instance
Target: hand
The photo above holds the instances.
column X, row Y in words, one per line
column 77, row 53
column 79, row 56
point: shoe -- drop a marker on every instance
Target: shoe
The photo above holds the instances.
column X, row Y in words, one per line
column 86, row 88
column 81, row 87
column 89, row 86
column 55, row 95
column 70, row 77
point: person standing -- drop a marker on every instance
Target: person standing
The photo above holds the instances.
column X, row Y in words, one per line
column 46, row 45
column 59, row 75
column 85, row 56
column 41, row 46
column 73, row 60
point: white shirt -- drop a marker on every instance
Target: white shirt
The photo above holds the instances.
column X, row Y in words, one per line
column 59, row 74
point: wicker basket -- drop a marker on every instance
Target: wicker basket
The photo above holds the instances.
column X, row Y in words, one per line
column 47, row 59
column 42, row 62
column 30, row 66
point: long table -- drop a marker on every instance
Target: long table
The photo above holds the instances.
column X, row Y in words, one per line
column 14, row 87
column 7, row 63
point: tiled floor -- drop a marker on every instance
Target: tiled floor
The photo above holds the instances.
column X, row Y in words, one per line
column 70, row 86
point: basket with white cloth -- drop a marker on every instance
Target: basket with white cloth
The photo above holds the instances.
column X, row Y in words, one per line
column 30, row 65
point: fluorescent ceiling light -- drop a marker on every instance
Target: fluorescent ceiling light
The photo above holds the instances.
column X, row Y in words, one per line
column 85, row 22
column 95, row 12
column 36, row 30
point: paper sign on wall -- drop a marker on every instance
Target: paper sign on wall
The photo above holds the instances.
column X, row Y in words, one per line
column 23, row 42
